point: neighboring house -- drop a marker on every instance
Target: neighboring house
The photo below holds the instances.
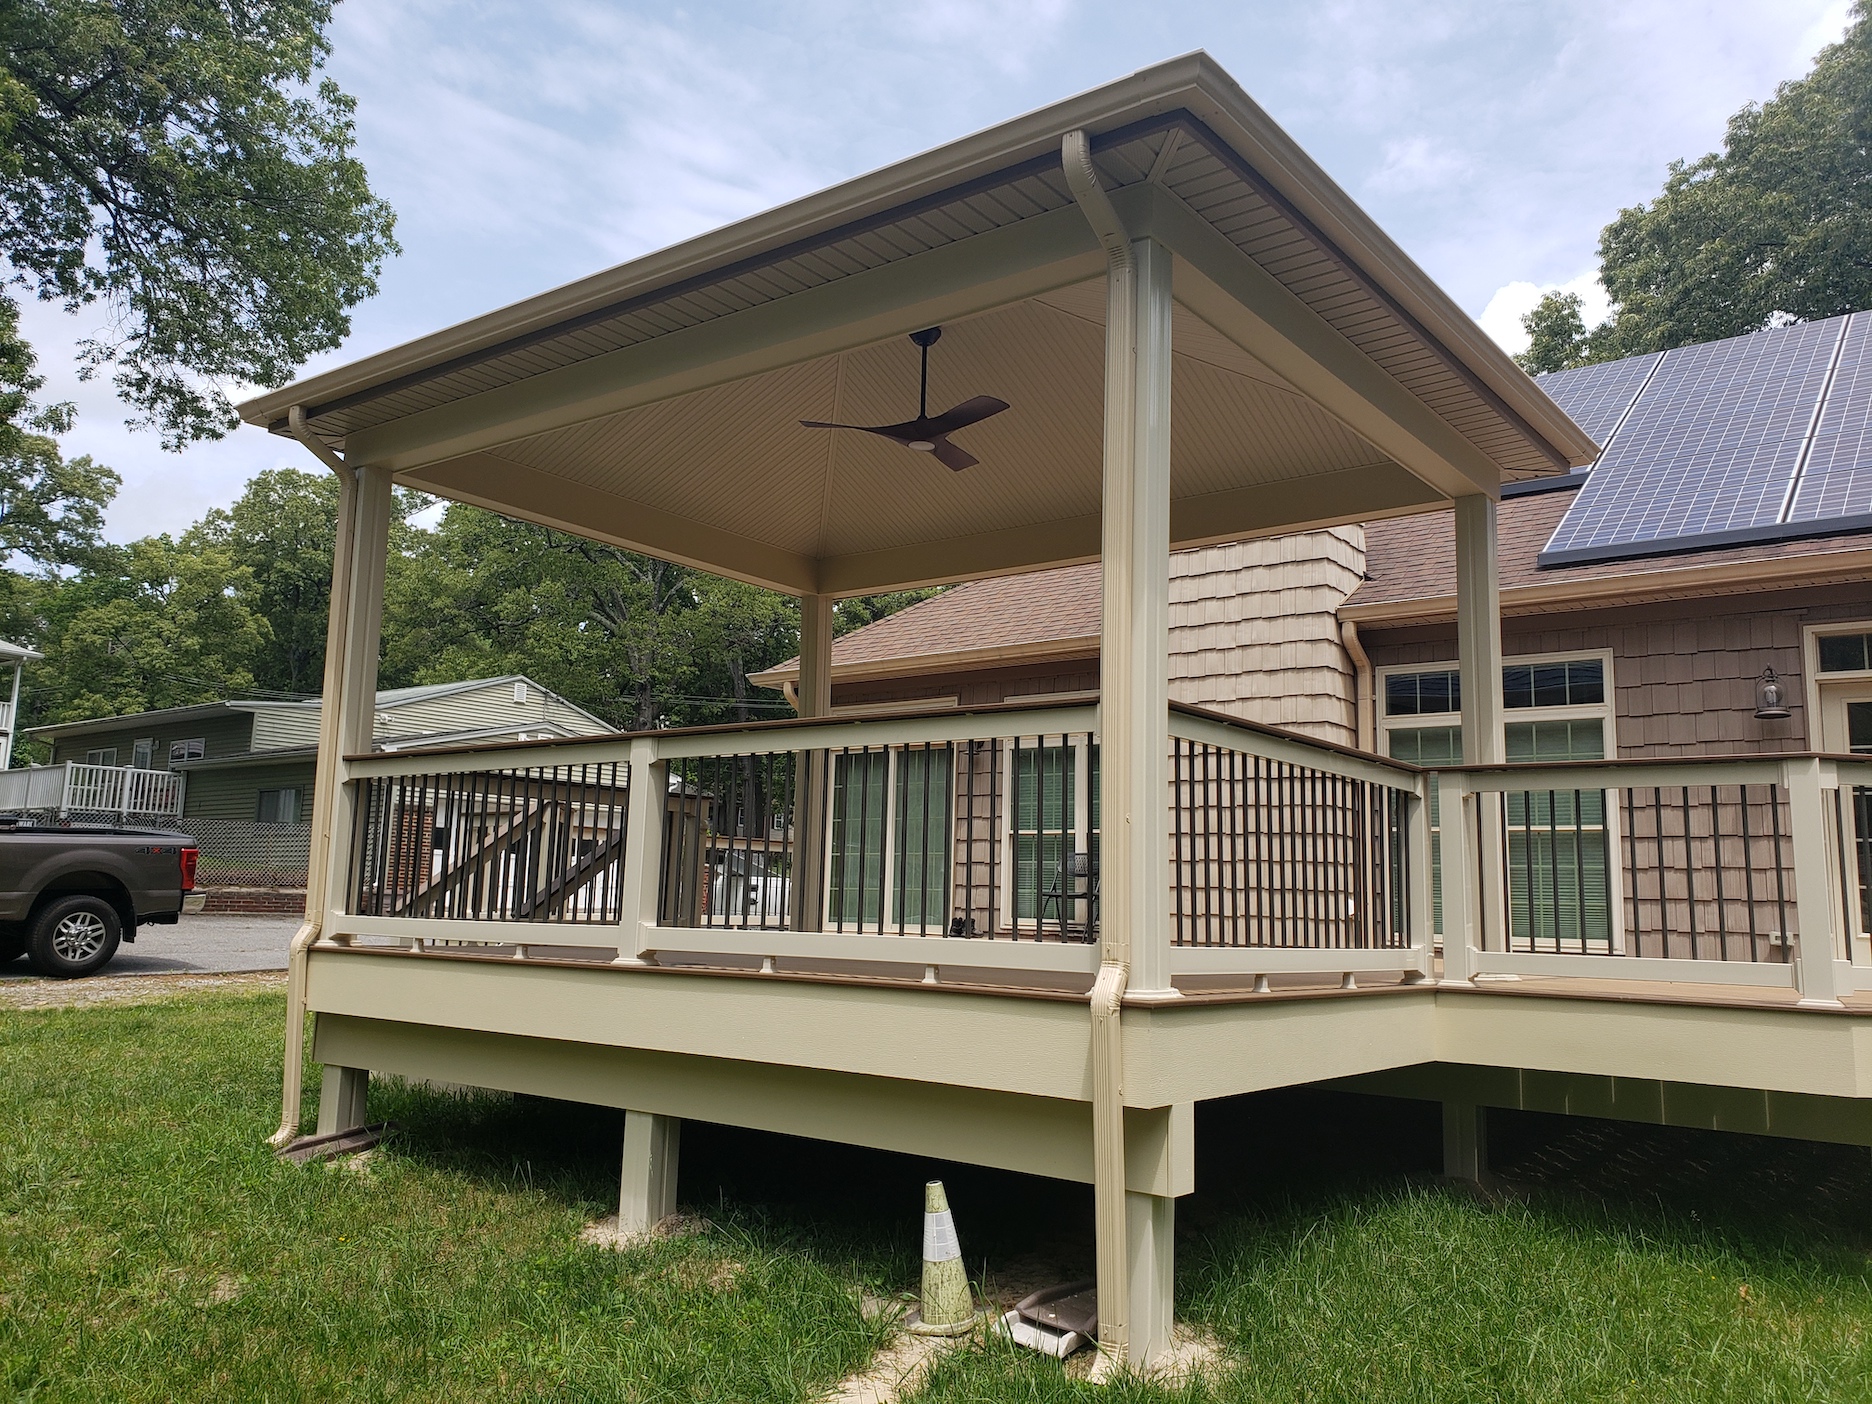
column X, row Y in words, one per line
column 248, row 766
column 253, row 760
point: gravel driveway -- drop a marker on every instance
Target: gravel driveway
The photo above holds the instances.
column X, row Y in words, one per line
column 196, row 945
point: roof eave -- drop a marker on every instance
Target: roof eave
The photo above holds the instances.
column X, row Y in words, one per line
column 1192, row 82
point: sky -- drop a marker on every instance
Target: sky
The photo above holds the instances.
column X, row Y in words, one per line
column 529, row 143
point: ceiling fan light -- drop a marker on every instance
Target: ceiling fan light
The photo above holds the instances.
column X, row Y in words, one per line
column 921, row 445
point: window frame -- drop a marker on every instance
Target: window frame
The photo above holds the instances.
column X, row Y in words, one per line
column 144, row 746
column 296, row 791
column 100, row 752
column 887, row 886
column 198, row 743
column 1604, row 711
column 1081, row 747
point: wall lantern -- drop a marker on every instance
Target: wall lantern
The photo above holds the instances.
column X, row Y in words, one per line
column 1770, row 697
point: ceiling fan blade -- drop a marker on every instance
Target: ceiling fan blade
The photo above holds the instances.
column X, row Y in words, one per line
column 953, row 458
column 968, row 412
column 896, row 433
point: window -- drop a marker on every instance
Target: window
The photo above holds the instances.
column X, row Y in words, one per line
column 188, row 750
column 104, row 755
column 1845, row 653
column 143, row 753
column 278, row 807
column 891, row 816
column 1559, row 844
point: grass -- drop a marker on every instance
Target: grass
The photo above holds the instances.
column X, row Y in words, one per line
column 151, row 1248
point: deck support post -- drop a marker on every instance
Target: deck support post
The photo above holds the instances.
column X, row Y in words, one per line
column 343, row 1093
column 647, row 1185
column 1134, row 1247
column 1465, row 1142
column 1816, row 890
column 1479, row 651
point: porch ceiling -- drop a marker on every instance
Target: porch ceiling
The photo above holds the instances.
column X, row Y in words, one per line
column 1318, row 375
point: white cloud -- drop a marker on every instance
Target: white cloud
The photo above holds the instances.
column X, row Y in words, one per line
column 1501, row 319
column 1415, row 164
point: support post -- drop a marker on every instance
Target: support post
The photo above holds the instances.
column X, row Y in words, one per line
column 1150, row 1233
column 1459, row 884
column 1465, row 1142
column 812, row 784
column 647, row 1185
column 643, row 852
column 355, row 705
column 1815, row 891
column 1479, row 651
column 343, row 1093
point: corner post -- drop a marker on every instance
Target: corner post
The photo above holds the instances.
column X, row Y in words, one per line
column 347, row 720
column 1479, row 651
column 643, row 852
column 1816, row 894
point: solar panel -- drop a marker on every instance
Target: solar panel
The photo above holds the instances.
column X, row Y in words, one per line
column 1836, row 480
column 1710, row 450
column 1596, row 397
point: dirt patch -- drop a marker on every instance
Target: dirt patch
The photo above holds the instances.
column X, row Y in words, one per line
column 895, row 1371
column 30, row 993
column 603, row 1233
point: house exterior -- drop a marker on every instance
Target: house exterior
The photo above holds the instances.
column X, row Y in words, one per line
column 1032, row 933
column 248, row 768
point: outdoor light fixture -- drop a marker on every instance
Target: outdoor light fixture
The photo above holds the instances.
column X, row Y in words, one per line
column 1770, row 697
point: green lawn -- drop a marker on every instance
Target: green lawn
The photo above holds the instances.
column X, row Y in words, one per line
column 152, row 1248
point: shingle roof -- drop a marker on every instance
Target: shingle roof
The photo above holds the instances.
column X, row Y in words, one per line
column 1414, row 558
column 1013, row 612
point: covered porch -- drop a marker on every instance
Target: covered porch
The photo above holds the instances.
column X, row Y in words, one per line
column 1023, row 936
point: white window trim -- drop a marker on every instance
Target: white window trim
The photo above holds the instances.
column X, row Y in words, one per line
column 1813, row 680
column 1605, row 711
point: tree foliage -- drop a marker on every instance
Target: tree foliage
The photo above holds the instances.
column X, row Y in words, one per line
column 185, row 162
column 1775, row 227
column 51, row 510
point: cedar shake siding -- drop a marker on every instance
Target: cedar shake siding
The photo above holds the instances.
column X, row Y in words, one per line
column 1253, row 633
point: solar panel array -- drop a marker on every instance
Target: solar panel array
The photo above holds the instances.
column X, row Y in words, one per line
column 1596, row 397
column 1754, row 438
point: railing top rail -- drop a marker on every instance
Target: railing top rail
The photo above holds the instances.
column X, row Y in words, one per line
column 781, row 724
column 1624, row 773
column 1406, row 771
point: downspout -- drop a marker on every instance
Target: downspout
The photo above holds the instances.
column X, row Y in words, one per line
column 1114, row 973
column 324, row 776
column 1361, row 666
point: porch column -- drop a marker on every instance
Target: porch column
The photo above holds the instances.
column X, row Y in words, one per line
column 812, row 785
column 350, row 726
column 1478, row 645
column 647, row 1185
column 1135, row 1232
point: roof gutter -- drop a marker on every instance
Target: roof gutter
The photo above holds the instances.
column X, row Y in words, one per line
column 325, row 775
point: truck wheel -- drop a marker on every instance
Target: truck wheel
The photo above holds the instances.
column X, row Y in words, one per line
column 74, row 936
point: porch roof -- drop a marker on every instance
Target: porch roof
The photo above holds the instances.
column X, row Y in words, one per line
column 1319, row 375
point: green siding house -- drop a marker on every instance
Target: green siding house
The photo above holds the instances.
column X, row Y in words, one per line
column 247, row 767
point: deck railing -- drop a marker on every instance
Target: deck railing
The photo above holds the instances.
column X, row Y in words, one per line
column 106, row 793
column 971, row 841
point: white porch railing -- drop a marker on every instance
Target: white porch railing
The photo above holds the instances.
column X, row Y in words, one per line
column 93, row 791
column 970, row 841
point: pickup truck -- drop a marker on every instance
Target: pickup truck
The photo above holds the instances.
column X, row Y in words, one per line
column 69, row 893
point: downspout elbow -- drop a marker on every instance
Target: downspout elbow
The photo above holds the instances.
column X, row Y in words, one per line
column 1082, row 179
column 296, row 423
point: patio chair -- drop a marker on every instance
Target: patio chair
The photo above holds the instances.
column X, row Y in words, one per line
column 1075, row 881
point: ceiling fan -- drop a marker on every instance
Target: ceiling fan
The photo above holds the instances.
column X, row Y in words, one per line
column 929, row 433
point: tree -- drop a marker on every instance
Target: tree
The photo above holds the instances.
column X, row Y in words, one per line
column 157, row 623
column 1557, row 337
column 1777, row 226
column 51, row 510
column 280, row 532
column 184, row 162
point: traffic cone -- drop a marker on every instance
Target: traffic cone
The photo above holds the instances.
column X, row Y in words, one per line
column 948, row 1308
